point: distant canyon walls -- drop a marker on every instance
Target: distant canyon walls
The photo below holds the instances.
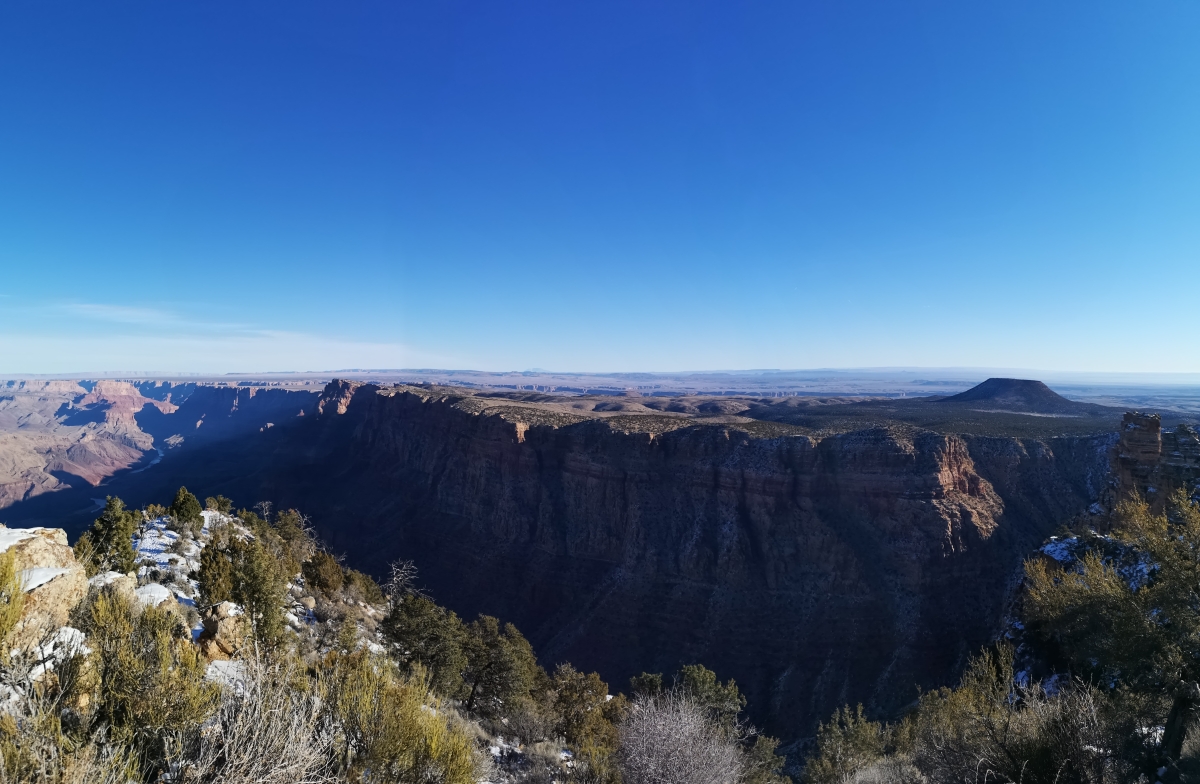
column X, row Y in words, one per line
column 816, row 572
column 62, row 436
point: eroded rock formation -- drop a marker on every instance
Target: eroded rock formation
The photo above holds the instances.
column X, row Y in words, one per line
column 814, row 570
column 1152, row 463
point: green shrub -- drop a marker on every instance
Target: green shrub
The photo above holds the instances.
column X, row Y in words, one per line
column 215, row 576
column 259, row 586
column 990, row 729
column 501, row 668
column 391, row 729
column 323, row 573
column 761, row 765
column 648, row 684
column 218, row 504
column 431, row 636
column 145, row 676
column 108, row 545
column 588, row 719
column 185, row 512
column 1126, row 613
column 12, row 601
column 848, row 743
column 364, row 586
column 722, row 700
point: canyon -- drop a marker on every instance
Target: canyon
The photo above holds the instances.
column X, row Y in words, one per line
column 820, row 550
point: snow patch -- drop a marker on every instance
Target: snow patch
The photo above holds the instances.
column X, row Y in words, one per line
column 61, row 646
column 230, row 674
column 101, row 580
column 34, row 578
column 10, row 536
column 153, row 594
column 1061, row 551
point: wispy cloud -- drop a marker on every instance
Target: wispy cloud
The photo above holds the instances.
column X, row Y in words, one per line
column 161, row 340
column 156, row 318
column 117, row 314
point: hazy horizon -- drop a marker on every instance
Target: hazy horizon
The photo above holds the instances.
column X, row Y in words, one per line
column 964, row 374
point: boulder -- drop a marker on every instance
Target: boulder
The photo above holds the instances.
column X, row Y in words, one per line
column 309, row 602
column 54, row 582
column 224, row 631
column 123, row 584
column 156, row 595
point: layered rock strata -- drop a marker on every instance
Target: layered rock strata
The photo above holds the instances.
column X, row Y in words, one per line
column 1152, row 463
column 815, row 571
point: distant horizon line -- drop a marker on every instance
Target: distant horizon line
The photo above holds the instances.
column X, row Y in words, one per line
column 1102, row 377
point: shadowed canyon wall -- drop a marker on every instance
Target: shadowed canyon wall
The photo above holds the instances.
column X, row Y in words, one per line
column 816, row 571
column 854, row 567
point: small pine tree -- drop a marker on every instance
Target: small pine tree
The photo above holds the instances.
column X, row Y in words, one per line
column 579, row 702
column 848, row 743
column 347, row 636
column 108, row 545
column 648, row 684
column 364, row 586
column 215, row 576
column 218, row 504
column 185, row 511
column 501, row 667
column 762, row 765
column 430, row 636
column 259, row 586
column 324, row 573
column 723, row 700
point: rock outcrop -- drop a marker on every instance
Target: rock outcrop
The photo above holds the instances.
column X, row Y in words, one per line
column 53, row 581
column 224, row 632
column 1152, row 463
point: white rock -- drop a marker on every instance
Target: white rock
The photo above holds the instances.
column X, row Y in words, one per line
column 153, row 594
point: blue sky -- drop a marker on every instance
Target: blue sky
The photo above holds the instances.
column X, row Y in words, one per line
column 223, row 186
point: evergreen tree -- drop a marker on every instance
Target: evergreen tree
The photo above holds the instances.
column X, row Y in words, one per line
column 297, row 544
column 431, row 636
column 215, row 576
column 1127, row 613
column 723, row 700
column 648, row 684
column 761, row 765
column 219, row 504
column 185, row 511
column 579, row 703
column 501, row 667
column 259, row 587
column 108, row 545
column 324, row 573
column 849, row 742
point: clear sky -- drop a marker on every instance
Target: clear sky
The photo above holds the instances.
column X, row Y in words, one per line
column 237, row 186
